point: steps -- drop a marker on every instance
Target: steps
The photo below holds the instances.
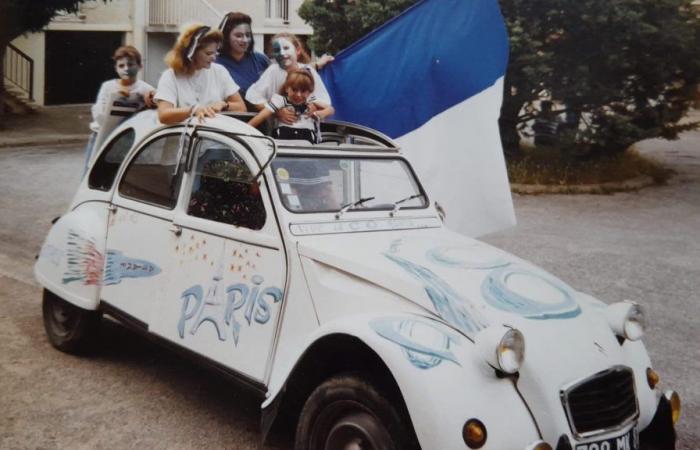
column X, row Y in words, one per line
column 17, row 101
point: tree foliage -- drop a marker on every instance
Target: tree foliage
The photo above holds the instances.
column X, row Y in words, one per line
column 339, row 23
column 624, row 70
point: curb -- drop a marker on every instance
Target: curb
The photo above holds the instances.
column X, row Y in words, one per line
column 632, row 184
column 49, row 140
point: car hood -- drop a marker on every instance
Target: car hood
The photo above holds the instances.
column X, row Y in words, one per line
column 468, row 284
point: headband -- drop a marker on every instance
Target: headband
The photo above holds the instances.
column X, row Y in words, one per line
column 223, row 23
column 197, row 35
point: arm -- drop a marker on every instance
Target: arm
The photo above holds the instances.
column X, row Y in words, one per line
column 321, row 111
column 169, row 114
column 322, row 61
column 261, row 117
column 235, row 103
column 99, row 109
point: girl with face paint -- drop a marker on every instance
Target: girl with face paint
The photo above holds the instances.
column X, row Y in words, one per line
column 238, row 54
column 127, row 88
column 289, row 56
column 195, row 85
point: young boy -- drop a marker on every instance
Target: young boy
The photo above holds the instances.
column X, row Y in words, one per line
column 127, row 93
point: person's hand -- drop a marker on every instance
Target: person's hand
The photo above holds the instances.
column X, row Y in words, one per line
column 148, row 99
column 286, row 116
column 124, row 93
column 200, row 112
column 323, row 60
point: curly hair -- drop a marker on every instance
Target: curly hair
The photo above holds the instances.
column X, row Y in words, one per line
column 303, row 56
column 177, row 59
column 231, row 21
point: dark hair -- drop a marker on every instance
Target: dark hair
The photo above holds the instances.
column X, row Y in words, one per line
column 300, row 79
column 127, row 51
column 228, row 23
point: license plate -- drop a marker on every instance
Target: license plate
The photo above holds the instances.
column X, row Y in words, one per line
column 628, row 441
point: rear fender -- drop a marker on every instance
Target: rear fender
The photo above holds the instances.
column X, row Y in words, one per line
column 71, row 260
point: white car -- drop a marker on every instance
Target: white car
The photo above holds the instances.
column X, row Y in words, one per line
column 322, row 277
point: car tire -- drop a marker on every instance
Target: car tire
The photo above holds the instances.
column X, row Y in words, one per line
column 69, row 328
column 347, row 412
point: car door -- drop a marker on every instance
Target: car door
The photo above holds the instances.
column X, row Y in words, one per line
column 228, row 263
column 137, row 260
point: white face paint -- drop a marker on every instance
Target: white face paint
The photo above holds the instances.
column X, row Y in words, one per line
column 284, row 53
column 126, row 68
column 240, row 38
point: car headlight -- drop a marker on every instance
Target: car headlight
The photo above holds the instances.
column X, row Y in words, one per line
column 626, row 320
column 502, row 348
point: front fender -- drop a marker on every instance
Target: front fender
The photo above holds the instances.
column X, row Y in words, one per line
column 71, row 260
column 440, row 376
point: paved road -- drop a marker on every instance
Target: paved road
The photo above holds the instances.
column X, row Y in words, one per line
column 643, row 246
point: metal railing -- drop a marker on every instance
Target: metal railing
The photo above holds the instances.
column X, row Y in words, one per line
column 18, row 69
column 173, row 13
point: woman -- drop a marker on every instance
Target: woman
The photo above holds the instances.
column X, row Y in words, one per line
column 238, row 53
column 194, row 85
column 238, row 56
column 289, row 56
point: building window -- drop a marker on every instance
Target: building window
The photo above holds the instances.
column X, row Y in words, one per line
column 277, row 9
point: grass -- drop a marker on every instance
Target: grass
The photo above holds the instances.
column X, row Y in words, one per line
column 548, row 167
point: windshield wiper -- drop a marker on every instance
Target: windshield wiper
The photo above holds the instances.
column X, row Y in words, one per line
column 352, row 205
column 396, row 204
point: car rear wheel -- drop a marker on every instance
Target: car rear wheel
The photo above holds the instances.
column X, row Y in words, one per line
column 69, row 328
column 348, row 413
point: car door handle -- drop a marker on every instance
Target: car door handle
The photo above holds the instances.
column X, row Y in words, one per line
column 175, row 229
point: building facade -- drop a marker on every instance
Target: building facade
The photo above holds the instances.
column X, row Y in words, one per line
column 72, row 56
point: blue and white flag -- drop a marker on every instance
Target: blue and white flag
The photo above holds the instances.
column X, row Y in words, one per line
column 432, row 78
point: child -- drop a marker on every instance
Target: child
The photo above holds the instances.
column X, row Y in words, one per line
column 130, row 92
column 295, row 95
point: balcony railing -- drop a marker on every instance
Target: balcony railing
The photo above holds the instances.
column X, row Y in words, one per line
column 174, row 13
column 18, row 71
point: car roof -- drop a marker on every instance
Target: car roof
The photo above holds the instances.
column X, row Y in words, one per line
column 337, row 136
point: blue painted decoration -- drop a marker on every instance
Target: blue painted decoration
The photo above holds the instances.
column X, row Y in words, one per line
column 424, row 344
column 119, row 266
column 449, row 305
column 466, row 258
column 219, row 306
column 499, row 291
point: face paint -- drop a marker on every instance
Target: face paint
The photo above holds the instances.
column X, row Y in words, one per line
column 126, row 68
column 204, row 56
column 240, row 38
column 284, row 53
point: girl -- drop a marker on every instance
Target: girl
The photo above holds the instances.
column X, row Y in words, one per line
column 295, row 97
column 194, row 85
column 290, row 56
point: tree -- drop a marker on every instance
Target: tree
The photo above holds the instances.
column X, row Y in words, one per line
column 624, row 70
column 22, row 16
column 339, row 23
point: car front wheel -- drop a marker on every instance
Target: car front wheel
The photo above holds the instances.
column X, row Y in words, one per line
column 348, row 413
column 69, row 328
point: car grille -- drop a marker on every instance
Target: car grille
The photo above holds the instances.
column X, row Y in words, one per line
column 603, row 402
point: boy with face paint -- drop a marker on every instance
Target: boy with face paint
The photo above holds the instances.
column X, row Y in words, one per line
column 289, row 56
column 127, row 63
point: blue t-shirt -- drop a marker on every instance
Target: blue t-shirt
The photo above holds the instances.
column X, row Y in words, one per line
column 246, row 71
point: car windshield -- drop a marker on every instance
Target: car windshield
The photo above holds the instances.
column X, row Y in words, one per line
column 328, row 184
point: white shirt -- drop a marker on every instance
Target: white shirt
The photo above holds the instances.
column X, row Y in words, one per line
column 100, row 109
column 201, row 88
column 278, row 102
column 271, row 82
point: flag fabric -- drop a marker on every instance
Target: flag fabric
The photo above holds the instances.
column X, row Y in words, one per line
column 432, row 79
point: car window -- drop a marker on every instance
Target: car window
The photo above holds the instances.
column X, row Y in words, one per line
column 154, row 176
column 105, row 169
column 223, row 190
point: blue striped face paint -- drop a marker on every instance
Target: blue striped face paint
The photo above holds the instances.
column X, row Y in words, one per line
column 126, row 68
column 284, row 52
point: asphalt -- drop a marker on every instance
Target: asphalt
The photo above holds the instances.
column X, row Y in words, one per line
column 66, row 124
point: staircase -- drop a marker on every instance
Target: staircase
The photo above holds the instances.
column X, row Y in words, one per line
column 18, row 77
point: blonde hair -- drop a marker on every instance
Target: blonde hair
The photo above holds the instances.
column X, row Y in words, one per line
column 303, row 56
column 177, row 59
